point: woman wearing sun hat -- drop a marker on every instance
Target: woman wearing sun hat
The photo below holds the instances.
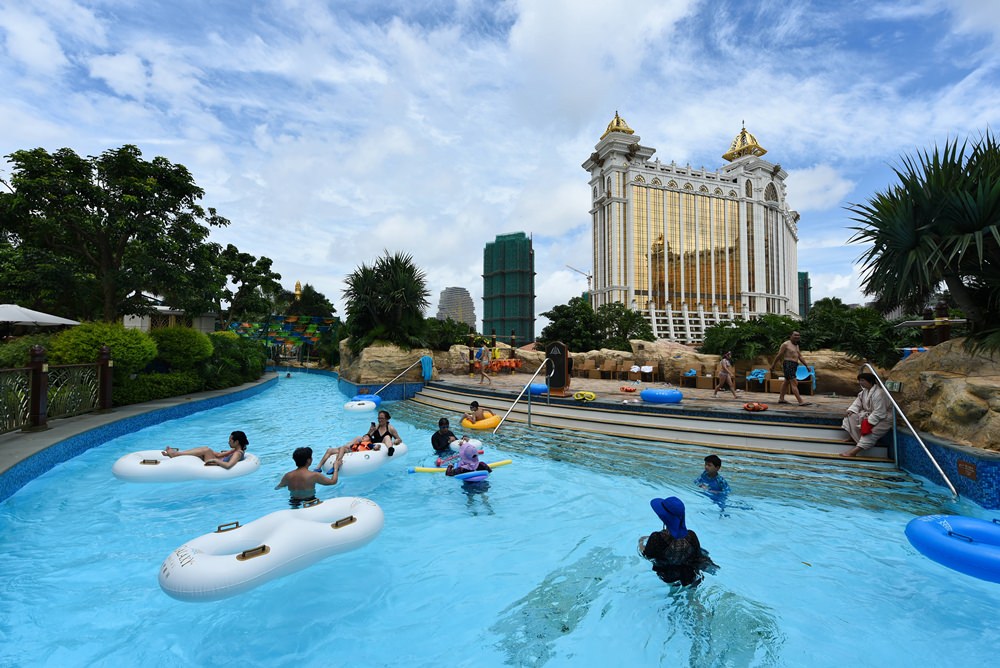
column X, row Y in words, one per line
column 675, row 550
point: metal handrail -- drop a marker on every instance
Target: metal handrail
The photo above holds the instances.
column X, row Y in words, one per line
column 523, row 389
column 912, row 429
column 400, row 375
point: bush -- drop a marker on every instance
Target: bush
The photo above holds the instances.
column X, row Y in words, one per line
column 234, row 361
column 181, row 348
column 150, row 386
column 16, row 353
column 131, row 349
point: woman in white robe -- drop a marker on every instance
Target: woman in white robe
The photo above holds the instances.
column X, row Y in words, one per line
column 872, row 405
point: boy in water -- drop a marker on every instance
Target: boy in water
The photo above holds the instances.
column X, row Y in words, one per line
column 710, row 480
column 301, row 482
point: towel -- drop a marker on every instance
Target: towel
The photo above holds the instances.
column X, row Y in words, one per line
column 427, row 367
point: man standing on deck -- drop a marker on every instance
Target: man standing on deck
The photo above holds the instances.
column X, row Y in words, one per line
column 790, row 357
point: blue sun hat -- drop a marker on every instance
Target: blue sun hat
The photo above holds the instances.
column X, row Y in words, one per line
column 671, row 513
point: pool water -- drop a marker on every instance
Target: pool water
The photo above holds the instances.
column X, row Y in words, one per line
column 536, row 567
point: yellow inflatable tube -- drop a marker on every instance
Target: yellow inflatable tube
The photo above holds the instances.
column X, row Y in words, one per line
column 486, row 423
column 432, row 469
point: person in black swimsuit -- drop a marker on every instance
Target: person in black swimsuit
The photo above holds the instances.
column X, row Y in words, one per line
column 442, row 438
column 384, row 433
column 675, row 551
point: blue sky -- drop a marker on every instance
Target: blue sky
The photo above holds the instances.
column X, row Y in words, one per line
column 329, row 131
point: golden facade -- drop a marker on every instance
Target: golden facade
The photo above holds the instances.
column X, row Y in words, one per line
column 690, row 248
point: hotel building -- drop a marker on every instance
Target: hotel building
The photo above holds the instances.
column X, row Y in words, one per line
column 690, row 248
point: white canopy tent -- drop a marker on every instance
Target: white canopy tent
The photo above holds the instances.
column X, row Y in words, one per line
column 18, row 315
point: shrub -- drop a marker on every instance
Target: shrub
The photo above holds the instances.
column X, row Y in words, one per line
column 16, row 353
column 234, row 361
column 131, row 349
column 181, row 348
column 150, row 386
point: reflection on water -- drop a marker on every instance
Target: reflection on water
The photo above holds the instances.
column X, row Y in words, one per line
column 530, row 626
column 725, row 629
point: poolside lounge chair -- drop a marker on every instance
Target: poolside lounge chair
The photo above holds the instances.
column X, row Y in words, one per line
column 757, row 379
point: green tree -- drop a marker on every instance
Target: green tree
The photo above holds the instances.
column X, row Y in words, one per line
column 618, row 324
column 124, row 224
column 939, row 224
column 575, row 323
column 443, row 334
column 749, row 339
column 311, row 302
column 386, row 302
column 252, row 284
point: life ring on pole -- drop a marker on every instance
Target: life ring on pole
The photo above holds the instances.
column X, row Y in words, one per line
column 584, row 396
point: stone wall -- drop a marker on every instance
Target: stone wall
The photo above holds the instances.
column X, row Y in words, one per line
column 379, row 363
column 949, row 393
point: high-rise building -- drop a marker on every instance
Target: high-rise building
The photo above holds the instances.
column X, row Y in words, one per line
column 805, row 293
column 457, row 304
column 689, row 247
column 509, row 288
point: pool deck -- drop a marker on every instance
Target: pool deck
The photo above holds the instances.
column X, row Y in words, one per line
column 823, row 405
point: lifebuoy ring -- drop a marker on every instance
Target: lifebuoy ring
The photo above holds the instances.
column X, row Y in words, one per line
column 754, row 406
column 583, row 395
column 627, row 388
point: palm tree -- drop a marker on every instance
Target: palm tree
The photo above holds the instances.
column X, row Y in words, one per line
column 386, row 301
column 940, row 223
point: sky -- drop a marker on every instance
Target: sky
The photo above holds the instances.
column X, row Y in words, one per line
column 330, row 132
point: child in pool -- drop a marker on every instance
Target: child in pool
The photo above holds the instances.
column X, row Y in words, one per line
column 468, row 459
column 710, row 480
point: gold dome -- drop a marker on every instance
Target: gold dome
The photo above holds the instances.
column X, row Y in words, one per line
column 618, row 124
column 744, row 144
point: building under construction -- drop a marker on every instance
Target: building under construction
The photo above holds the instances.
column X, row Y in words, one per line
column 509, row 288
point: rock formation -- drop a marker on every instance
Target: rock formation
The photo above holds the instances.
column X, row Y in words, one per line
column 949, row 393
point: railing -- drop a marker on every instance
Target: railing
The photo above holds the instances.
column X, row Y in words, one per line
column 30, row 396
column 525, row 388
column 916, row 435
column 400, row 375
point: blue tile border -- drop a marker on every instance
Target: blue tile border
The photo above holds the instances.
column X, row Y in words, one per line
column 975, row 473
column 31, row 467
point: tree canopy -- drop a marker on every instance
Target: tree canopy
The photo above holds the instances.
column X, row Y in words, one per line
column 386, row 301
column 939, row 224
column 119, row 224
column 581, row 328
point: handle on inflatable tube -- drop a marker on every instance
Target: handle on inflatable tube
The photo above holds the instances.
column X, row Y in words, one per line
column 432, row 469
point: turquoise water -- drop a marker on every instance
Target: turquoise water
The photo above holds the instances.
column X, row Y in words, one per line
column 538, row 569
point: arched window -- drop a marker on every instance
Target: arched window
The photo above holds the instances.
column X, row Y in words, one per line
column 657, row 182
column 749, row 189
column 718, row 191
column 638, row 179
column 770, row 194
column 703, row 189
column 672, row 184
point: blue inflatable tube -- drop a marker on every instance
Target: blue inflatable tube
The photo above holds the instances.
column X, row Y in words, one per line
column 966, row 544
column 374, row 398
column 538, row 388
column 472, row 476
column 661, row 396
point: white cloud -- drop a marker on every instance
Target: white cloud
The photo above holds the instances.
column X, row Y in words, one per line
column 816, row 188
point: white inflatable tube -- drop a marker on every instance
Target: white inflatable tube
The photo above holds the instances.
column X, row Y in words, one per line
column 456, row 445
column 360, row 406
column 359, row 463
column 154, row 466
column 230, row 561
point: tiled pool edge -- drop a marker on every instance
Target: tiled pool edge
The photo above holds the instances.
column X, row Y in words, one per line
column 29, row 468
column 975, row 473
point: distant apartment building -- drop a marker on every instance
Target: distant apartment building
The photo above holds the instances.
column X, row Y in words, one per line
column 509, row 288
column 805, row 293
column 456, row 303
column 688, row 247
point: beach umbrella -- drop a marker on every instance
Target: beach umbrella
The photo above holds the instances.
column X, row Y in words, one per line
column 18, row 315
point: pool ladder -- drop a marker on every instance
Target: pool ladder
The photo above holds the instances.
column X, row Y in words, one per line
column 916, row 435
column 524, row 389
